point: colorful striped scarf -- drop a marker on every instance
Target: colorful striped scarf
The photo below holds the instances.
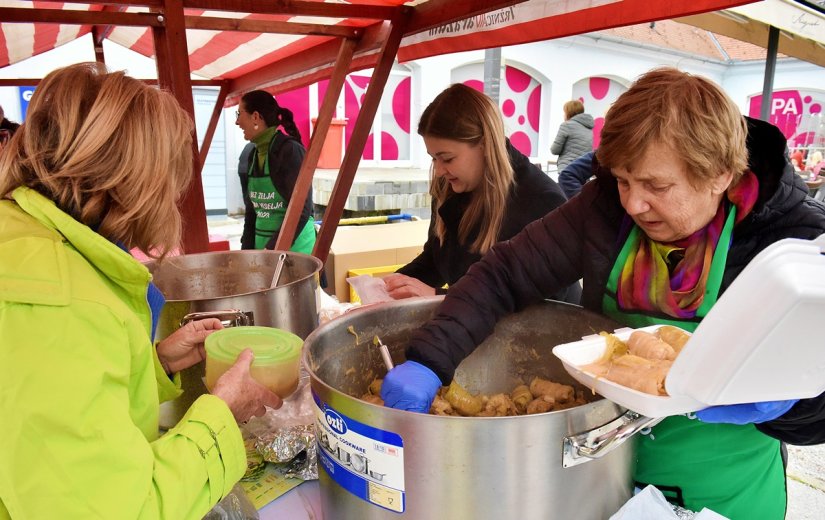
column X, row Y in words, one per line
column 671, row 278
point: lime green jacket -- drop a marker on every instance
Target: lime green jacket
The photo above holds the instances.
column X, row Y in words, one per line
column 81, row 384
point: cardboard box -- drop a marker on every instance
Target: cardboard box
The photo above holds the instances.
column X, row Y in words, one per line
column 362, row 247
column 379, row 272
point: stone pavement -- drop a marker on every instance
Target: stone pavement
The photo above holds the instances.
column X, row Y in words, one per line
column 806, row 483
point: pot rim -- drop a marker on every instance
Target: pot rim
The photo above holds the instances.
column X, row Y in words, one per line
column 318, row 267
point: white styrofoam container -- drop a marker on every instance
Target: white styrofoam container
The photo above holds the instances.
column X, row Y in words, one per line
column 760, row 342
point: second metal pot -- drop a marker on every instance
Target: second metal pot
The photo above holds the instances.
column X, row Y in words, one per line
column 381, row 463
column 233, row 286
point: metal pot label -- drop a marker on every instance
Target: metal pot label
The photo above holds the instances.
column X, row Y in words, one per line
column 366, row 461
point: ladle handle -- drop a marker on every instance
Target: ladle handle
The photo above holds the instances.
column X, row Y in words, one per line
column 278, row 268
column 593, row 444
column 229, row 317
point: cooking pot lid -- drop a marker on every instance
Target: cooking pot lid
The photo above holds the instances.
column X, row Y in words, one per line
column 270, row 345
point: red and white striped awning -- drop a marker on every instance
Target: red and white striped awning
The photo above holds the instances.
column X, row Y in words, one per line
column 274, row 60
column 279, row 45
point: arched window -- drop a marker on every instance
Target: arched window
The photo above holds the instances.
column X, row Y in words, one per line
column 597, row 94
column 392, row 121
column 519, row 99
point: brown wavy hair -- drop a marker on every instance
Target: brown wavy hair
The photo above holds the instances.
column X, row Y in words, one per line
column 461, row 113
column 110, row 151
column 691, row 114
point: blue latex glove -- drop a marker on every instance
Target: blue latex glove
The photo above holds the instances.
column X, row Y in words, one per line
column 410, row 386
column 748, row 413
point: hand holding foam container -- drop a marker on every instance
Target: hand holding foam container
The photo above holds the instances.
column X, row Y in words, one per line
column 277, row 356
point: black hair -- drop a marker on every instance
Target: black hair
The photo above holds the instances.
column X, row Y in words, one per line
column 273, row 114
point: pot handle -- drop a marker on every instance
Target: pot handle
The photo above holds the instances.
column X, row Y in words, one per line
column 229, row 317
column 592, row 444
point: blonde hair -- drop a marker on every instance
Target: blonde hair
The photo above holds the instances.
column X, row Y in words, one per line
column 113, row 153
column 461, row 113
column 573, row 108
column 690, row 114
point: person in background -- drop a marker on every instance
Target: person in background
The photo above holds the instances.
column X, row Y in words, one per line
column 268, row 169
column 7, row 128
column 798, row 159
column 681, row 203
column 575, row 135
column 578, row 172
column 6, row 124
column 815, row 164
column 97, row 170
column 483, row 191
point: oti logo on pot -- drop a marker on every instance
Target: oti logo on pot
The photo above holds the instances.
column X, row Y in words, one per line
column 336, row 422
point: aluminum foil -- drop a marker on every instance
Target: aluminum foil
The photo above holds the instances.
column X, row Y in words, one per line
column 287, row 435
column 295, row 445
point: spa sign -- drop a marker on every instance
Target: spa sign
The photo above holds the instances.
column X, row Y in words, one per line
column 798, row 113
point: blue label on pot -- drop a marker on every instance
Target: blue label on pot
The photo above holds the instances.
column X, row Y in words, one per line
column 366, row 461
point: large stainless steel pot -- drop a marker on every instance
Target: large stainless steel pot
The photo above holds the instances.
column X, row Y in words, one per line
column 378, row 462
column 235, row 287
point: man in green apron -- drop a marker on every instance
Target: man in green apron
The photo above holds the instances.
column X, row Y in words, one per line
column 687, row 192
column 268, row 169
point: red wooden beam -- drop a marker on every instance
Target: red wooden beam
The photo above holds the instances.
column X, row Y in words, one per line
column 97, row 42
column 319, row 135
column 355, row 146
column 297, row 8
column 172, row 56
column 291, row 72
column 212, row 23
column 439, row 12
column 213, row 122
column 72, row 17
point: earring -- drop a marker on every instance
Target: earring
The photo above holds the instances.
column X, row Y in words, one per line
column 256, row 126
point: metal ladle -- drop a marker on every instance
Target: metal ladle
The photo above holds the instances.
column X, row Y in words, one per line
column 278, row 268
column 385, row 352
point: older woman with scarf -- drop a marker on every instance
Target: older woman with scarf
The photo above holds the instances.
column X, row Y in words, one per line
column 687, row 192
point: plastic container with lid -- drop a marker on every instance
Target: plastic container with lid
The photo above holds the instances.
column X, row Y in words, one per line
column 277, row 356
column 760, row 342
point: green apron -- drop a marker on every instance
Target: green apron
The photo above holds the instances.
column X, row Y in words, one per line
column 734, row 470
column 270, row 209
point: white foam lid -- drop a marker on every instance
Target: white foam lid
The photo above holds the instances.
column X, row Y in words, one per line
column 760, row 342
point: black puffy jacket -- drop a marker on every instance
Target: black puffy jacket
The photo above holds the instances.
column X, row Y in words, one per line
column 533, row 195
column 582, row 238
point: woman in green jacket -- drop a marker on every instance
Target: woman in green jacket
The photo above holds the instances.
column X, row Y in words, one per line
column 97, row 168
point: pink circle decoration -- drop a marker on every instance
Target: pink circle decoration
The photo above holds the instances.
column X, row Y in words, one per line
column 534, row 108
column 389, row 148
column 517, row 80
column 361, row 81
column 521, row 120
column 816, row 108
column 401, row 105
column 807, row 99
column 522, row 143
column 476, row 84
column 599, row 87
column 508, row 108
